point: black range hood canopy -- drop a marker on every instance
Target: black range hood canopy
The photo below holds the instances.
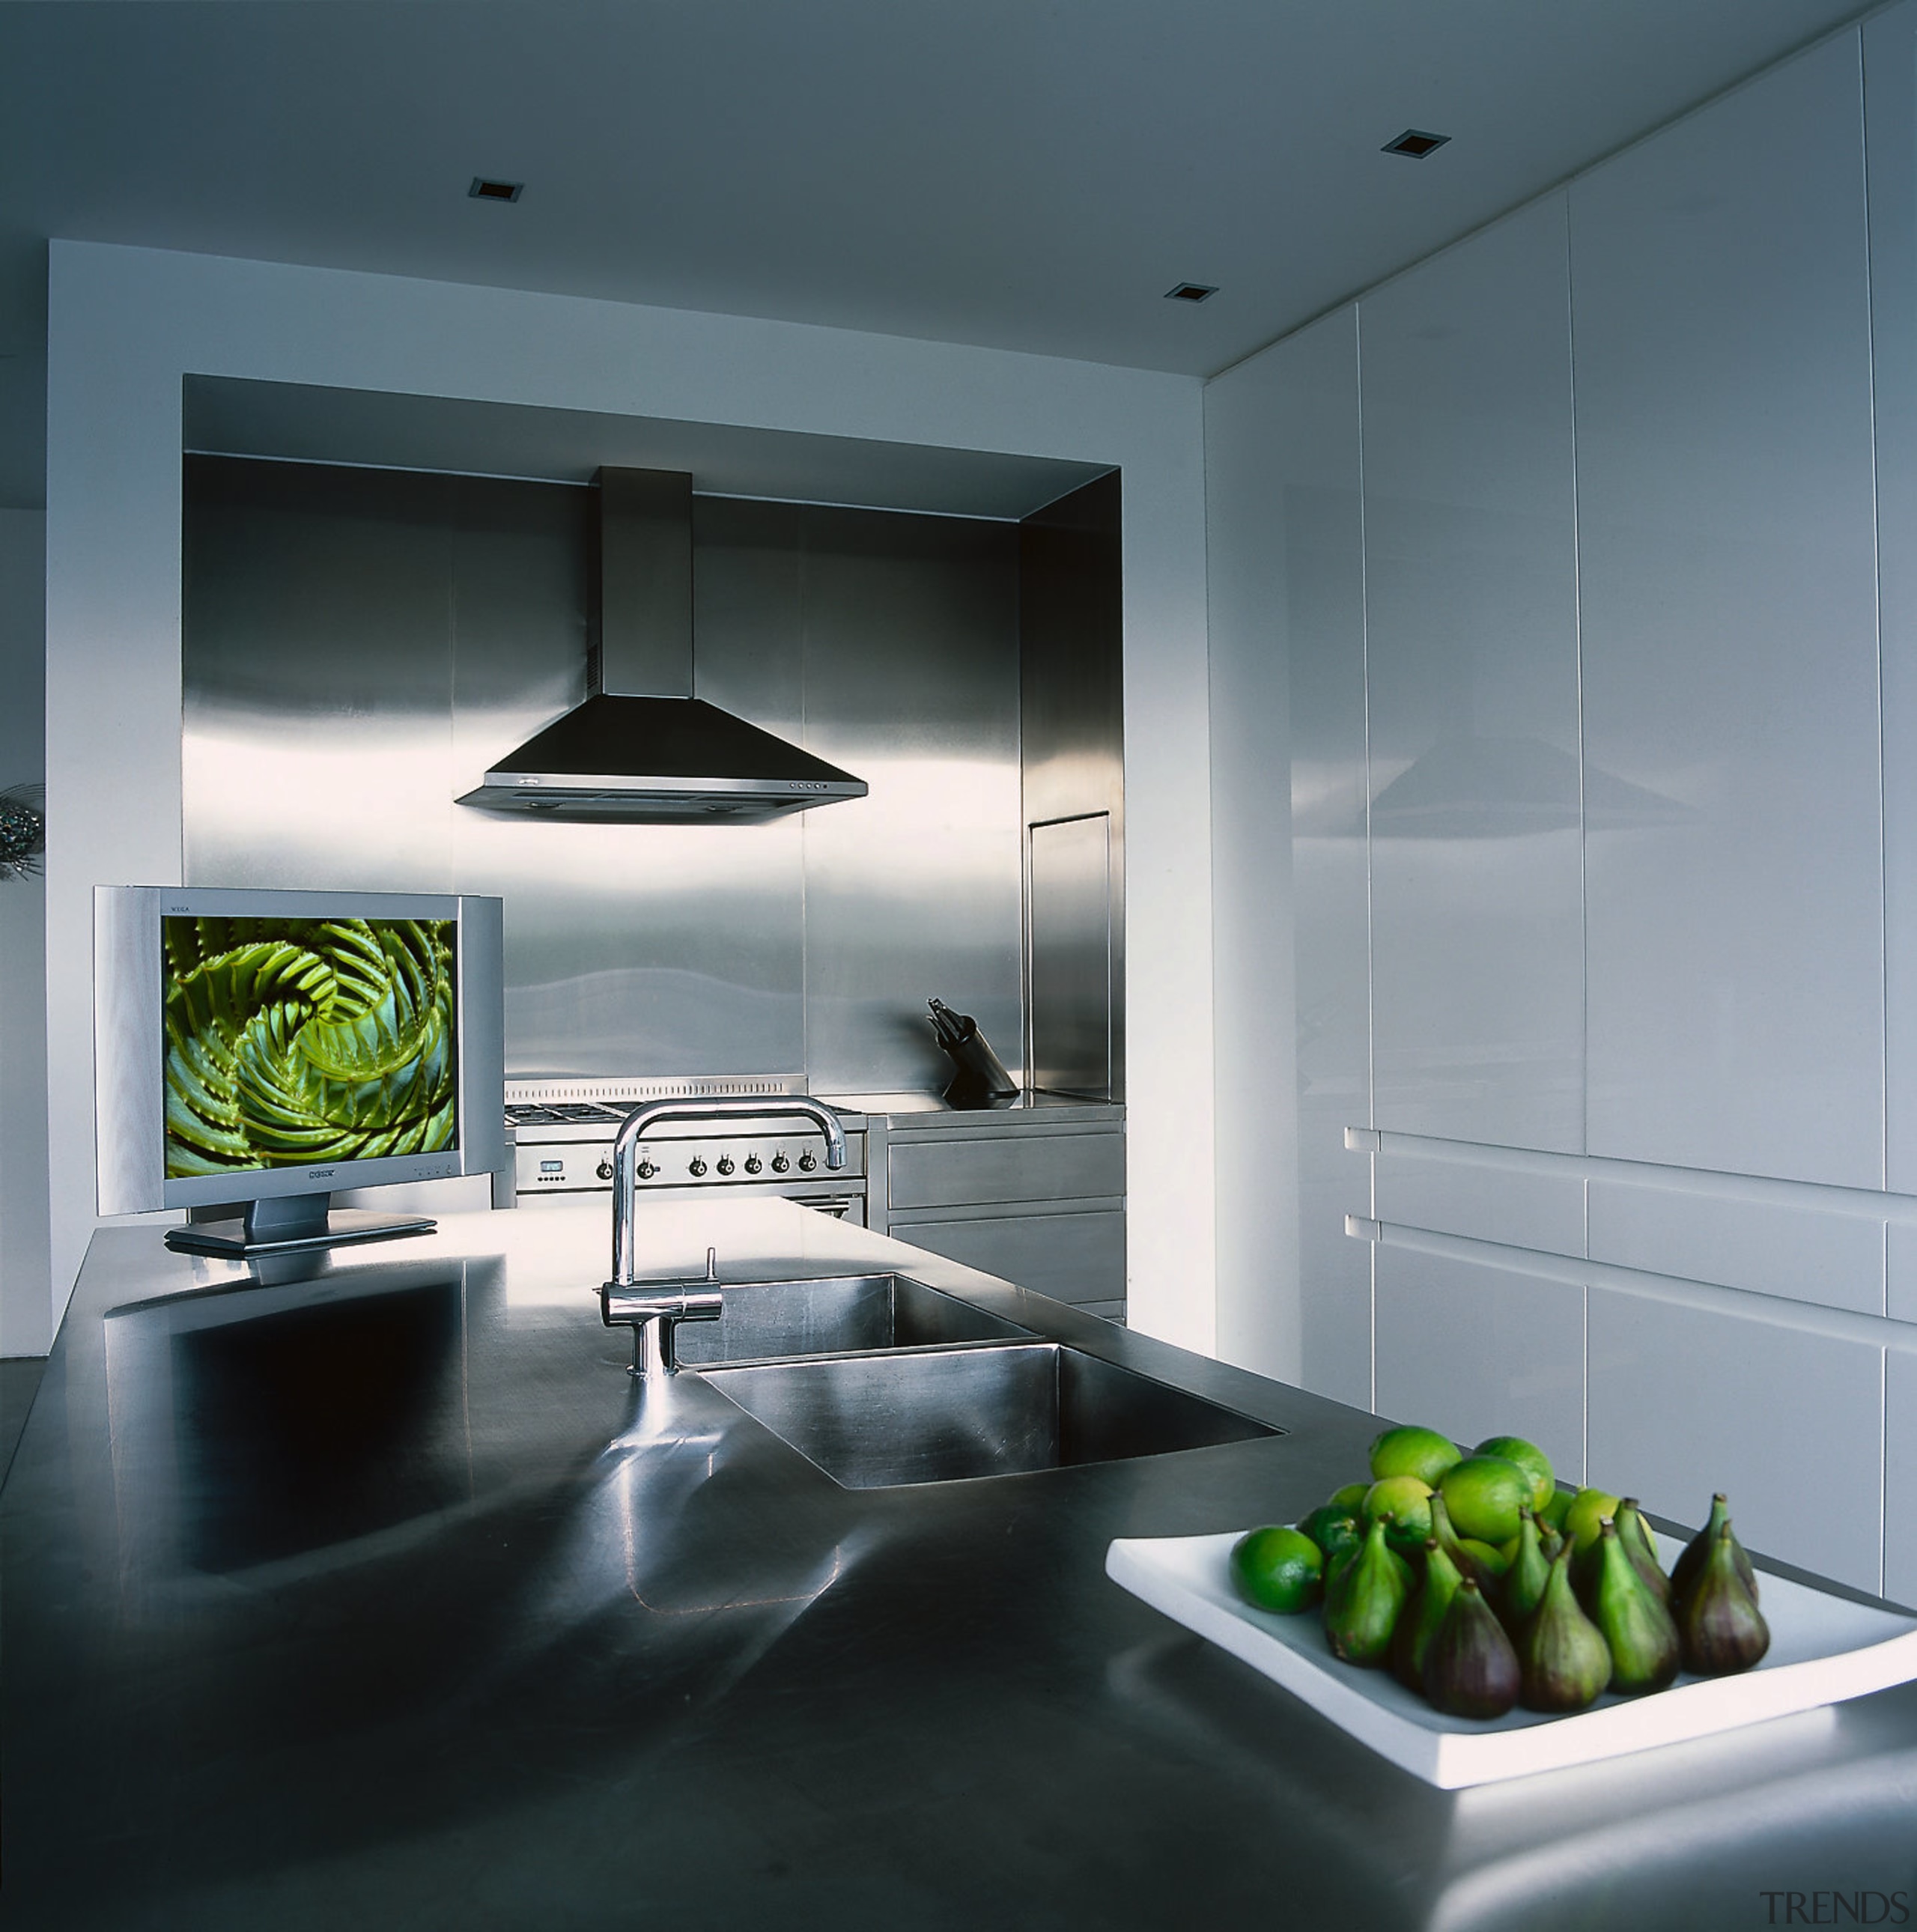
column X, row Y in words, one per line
column 641, row 749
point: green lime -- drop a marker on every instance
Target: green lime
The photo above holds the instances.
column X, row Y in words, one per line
column 1584, row 1519
column 1408, row 1450
column 1404, row 1502
column 1278, row 1569
column 1350, row 1499
column 1337, row 1531
column 1532, row 1459
column 1554, row 1509
column 1482, row 1495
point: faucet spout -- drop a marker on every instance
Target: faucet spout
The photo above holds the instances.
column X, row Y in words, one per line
column 643, row 1118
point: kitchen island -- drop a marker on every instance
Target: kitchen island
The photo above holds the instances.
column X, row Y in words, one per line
column 385, row 1597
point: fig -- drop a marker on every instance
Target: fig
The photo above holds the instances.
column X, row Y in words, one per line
column 1643, row 1640
column 1562, row 1655
column 1470, row 1669
column 1422, row 1614
column 1363, row 1598
column 1720, row 1626
column 1698, row 1549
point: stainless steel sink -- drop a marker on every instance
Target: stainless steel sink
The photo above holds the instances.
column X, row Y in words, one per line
column 948, row 1415
column 833, row 1314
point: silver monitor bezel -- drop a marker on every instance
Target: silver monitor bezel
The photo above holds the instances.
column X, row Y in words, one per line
column 129, row 1054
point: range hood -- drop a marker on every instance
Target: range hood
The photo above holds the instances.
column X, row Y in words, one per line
column 641, row 749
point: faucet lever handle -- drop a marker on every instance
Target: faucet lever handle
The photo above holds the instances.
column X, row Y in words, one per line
column 653, row 1313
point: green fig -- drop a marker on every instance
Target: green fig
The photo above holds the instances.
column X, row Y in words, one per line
column 1719, row 1622
column 1565, row 1661
column 1684, row 1572
column 1525, row 1580
column 1422, row 1614
column 1363, row 1598
column 1465, row 1561
column 1641, row 1546
column 1644, row 1649
column 1470, row 1669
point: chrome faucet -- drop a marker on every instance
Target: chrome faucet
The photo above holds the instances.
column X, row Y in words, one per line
column 654, row 1309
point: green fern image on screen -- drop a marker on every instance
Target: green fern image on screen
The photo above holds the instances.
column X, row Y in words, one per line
column 291, row 1043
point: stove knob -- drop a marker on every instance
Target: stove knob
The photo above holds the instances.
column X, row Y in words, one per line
column 753, row 1163
column 807, row 1162
column 647, row 1170
column 780, row 1163
column 603, row 1170
column 725, row 1163
column 697, row 1167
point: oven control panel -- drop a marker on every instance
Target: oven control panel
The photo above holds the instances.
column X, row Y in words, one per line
column 568, row 1150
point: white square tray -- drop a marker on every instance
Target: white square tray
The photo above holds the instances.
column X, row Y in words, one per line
column 1823, row 1649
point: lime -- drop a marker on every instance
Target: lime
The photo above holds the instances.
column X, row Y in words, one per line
column 1408, row 1450
column 1554, row 1509
column 1584, row 1519
column 1278, row 1569
column 1532, row 1459
column 1337, row 1531
column 1350, row 1499
column 1404, row 1502
column 1482, row 1495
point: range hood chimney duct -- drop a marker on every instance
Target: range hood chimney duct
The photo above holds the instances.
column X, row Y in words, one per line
column 642, row 749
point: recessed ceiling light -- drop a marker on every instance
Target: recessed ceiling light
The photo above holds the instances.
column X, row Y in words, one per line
column 1415, row 142
column 483, row 189
column 1190, row 292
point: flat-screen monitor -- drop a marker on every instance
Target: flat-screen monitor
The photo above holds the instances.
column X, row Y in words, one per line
column 257, row 1050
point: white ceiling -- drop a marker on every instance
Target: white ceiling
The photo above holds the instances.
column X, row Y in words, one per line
column 1027, row 174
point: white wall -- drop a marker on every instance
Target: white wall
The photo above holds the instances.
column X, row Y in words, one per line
column 25, row 1316
column 1602, row 869
column 126, row 325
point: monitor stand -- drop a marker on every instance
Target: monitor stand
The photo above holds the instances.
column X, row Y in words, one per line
column 288, row 1224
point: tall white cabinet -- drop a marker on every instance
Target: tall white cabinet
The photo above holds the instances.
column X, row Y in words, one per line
column 1622, row 976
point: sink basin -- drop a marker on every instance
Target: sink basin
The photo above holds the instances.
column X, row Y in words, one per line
column 950, row 1414
column 832, row 1313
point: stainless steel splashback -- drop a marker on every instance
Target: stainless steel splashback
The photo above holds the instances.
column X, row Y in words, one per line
column 359, row 644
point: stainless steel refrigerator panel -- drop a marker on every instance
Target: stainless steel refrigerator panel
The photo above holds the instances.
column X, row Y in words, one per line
column 1728, row 575
column 912, row 681
column 1471, row 608
column 317, row 679
column 1068, row 928
column 1072, row 704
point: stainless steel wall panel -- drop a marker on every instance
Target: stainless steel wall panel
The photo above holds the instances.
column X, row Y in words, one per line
column 1470, row 617
column 1685, row 1402
column 911, row 644
column 1734, row 865
column 1476, row 1351
column 1319, row 523
column 1069, row 955
column 317, row 679
column 1516, row 1208
column 1835, row 1260
column 360, row 645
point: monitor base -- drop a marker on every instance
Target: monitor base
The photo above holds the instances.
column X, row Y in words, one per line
column 291, row 1224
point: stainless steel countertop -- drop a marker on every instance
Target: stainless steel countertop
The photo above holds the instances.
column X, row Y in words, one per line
column 1034, row 1107
column 398, row 1609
